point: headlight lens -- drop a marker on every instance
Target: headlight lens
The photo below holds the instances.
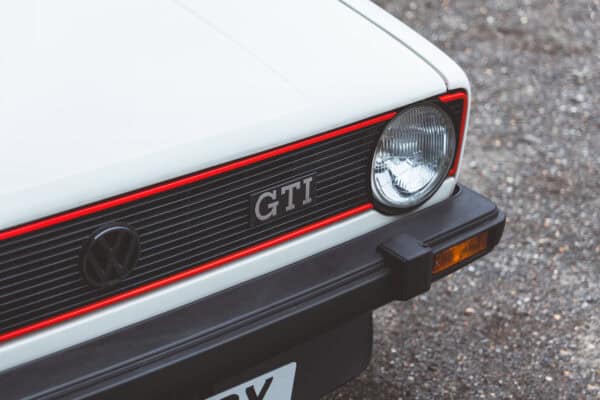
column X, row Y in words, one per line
column 413, row 156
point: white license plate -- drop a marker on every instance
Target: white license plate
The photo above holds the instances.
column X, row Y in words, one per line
column 275, row 385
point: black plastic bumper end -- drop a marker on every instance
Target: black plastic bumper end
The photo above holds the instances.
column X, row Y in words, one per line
column 411, row 263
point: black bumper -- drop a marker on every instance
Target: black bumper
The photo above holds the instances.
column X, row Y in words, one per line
column 268, row 321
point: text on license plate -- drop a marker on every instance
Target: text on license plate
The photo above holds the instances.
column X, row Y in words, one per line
column 275, row 385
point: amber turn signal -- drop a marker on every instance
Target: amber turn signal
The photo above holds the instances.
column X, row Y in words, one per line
column 451, row 256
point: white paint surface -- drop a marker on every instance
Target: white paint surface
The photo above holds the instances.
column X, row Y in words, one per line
column 98, row 98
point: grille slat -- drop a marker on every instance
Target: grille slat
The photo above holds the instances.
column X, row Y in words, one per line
column 35, row 274
column 180, row 229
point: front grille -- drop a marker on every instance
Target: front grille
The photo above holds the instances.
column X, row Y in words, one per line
column 40, row 276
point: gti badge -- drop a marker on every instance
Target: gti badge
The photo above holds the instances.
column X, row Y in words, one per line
column 281, row 200
column 109, row 255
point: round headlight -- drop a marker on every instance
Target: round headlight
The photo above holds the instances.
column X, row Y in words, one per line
column 413, row 156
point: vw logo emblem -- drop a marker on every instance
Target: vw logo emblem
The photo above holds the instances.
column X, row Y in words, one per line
column 109, row 255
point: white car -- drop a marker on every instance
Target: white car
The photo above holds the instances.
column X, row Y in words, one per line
column 205, row 199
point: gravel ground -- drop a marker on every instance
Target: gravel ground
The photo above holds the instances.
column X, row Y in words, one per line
column 524, row 322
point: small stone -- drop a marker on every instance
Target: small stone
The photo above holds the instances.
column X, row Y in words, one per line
column 591, row 346
column 549, row 379
column 557, row 317
column 565, row 353
column 531, row 138
column 469, row 311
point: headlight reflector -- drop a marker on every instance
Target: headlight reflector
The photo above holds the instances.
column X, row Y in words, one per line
column 413, row 156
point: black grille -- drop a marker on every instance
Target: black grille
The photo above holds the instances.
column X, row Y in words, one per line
column 40, row 275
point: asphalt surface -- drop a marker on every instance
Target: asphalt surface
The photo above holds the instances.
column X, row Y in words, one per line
column 523, row 323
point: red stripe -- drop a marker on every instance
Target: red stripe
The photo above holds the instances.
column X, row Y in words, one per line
column 154, row 190
column 447, row 98
column 183, row 275
column 68, row 216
